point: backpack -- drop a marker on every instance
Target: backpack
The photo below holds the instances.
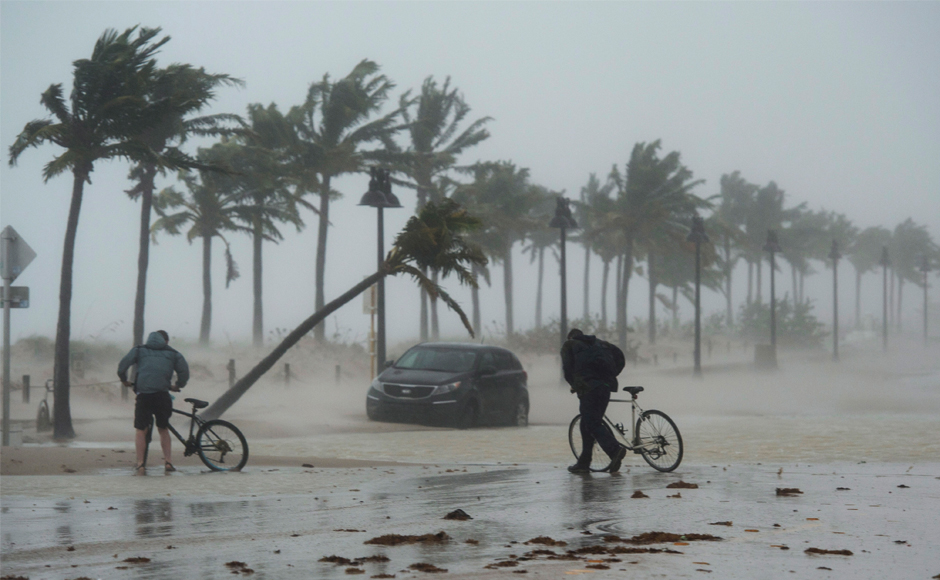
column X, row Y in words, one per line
column 600, row 360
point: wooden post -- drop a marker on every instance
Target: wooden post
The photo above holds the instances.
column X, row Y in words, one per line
column 231, row 372
column 287, row 374
column 25, row 388
column 338, row 373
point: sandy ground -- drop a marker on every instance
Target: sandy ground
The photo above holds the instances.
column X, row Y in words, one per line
column 871, row 417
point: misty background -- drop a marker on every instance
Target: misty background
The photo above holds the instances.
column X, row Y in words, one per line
column 836, row 103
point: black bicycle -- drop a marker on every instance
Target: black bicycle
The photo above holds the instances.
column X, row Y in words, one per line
column 656, row 437
column 220, row 445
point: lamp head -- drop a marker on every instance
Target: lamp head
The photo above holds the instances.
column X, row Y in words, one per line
column 772, row 244
column 834, row 252
column 885, row 260
column 697, row 234
column 563, row 217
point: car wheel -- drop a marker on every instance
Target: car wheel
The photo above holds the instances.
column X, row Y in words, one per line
column 468, row 418
column 520, row 416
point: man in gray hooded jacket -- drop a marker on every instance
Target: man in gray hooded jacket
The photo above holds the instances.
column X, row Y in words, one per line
column 156, row 362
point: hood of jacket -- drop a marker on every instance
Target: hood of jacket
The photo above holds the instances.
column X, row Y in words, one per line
column 588, row 339
column 155, row 341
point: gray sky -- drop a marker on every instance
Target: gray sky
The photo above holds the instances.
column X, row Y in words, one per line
column 836, row 102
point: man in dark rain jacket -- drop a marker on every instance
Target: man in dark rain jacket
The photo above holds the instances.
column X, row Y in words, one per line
column 156, row 362
column 591, row 366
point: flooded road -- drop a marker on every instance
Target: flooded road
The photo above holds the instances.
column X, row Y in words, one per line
column 280, row 522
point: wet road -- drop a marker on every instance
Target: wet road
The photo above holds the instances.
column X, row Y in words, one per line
column 280, row 523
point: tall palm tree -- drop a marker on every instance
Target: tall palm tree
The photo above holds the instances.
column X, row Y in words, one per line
column 332, row 127
column 541, row 238
column 766, row 213
column 909, row 243
column 501, row 197
column 864, row 255
column 433, row 119
column 434, row 238
column 726, row 226
column 184, row 90
column 102, row 119
column 265, row 194
column 210, row 208
column 593, row 202
column 654, row 203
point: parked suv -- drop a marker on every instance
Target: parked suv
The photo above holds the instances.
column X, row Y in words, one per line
column 462, row 385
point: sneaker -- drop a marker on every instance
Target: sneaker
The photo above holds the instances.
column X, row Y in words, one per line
column 616, row 459
column 578, row 468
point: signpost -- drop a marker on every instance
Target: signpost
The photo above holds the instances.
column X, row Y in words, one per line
column 15, row 255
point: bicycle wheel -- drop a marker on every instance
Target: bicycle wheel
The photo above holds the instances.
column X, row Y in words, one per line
column 599, row 459
column 658, row 440
column 43, row 423
column 222, row 447
column 148, row 437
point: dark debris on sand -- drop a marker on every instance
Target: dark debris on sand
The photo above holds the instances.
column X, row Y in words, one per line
column 661, row 538
column 459, row 515
column 399, row 540
column 788, row 491
column 546, row 541
column 834, row 552
column 682, row 485
column 428, row 568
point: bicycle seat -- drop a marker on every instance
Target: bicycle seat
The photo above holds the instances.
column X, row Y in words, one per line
column 203, row 404
column 633, row 390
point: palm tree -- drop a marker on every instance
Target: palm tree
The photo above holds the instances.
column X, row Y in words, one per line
column 184, row 90
column 726, row 225
column 864, row 255
column 766, row 213
column 106, row 113
column 594, row 201
column 331, row 128
column 909, row 243
column 434, row 238
column 501, row 197
column 541, row 238
column 433, row 120
column 210, row 209
column 654, row 204
column 264, row 192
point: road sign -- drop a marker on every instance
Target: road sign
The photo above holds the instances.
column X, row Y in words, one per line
column 19, row 297
column 15, row 255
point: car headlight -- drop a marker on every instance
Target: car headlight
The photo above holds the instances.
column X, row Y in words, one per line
column 442, row 389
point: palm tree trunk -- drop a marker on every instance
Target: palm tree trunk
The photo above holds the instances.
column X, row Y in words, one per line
column 675, row 308
column 891, row 301
column 61, row 410
column 651, row 261
column 604, row 278
column 507, row 288
column 750, row 281
column 475, row 300
column 231, row 396
column 728, row 281
column 538, row 291
column 435, row 326
column 618, row 290
column 802, row 278
column 206, row 323
column 760, row 272
column 793, row 277
column 423, row 325
column 324, row 222
column 257, row 329
column 627, row 270
column 858, row 299
column 143, row 255
column 900, row 297
column 587, row 278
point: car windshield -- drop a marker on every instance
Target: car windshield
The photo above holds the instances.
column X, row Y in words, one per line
column 435, row 359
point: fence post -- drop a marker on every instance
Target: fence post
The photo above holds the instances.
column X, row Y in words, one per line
column 287, row 374
column 338, row 373
column 25, row 388
column 231, row 372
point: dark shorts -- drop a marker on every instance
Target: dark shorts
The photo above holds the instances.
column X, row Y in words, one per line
column 159, row 405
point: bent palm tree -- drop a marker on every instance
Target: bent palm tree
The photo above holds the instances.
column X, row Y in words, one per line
column 106, row 112
column 432, row 239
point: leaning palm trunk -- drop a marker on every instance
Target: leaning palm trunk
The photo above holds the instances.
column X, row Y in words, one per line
column 143, row 256
column 205, row 324
column 61, row 413
column 231, row 396
column 324, row 223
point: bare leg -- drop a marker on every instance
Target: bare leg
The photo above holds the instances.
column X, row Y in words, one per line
column 165, row 445
column 140, row 441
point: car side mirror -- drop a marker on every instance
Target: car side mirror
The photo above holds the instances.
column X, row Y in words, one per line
column 389, row 364
column 488, row 370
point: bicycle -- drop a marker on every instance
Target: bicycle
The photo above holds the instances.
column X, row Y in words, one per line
column 656, row 437
column 43, row 418
column 213, row 440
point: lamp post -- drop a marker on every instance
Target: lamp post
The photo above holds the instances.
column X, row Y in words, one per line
column 380, row 196
column 885, row 262
column 563, row 220
column 772, row 246
column 834, row 255
column 925, row 267
column 698, row 236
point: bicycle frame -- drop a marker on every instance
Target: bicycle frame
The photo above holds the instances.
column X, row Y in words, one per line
column 189, row 443
column 633, row 444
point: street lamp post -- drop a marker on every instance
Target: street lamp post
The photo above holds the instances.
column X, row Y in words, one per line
column 885, row 262
column 563, row 220
column 698, row 236
column 380, row 196
column 925, row 267
column 834, row 255
column 772, row 246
